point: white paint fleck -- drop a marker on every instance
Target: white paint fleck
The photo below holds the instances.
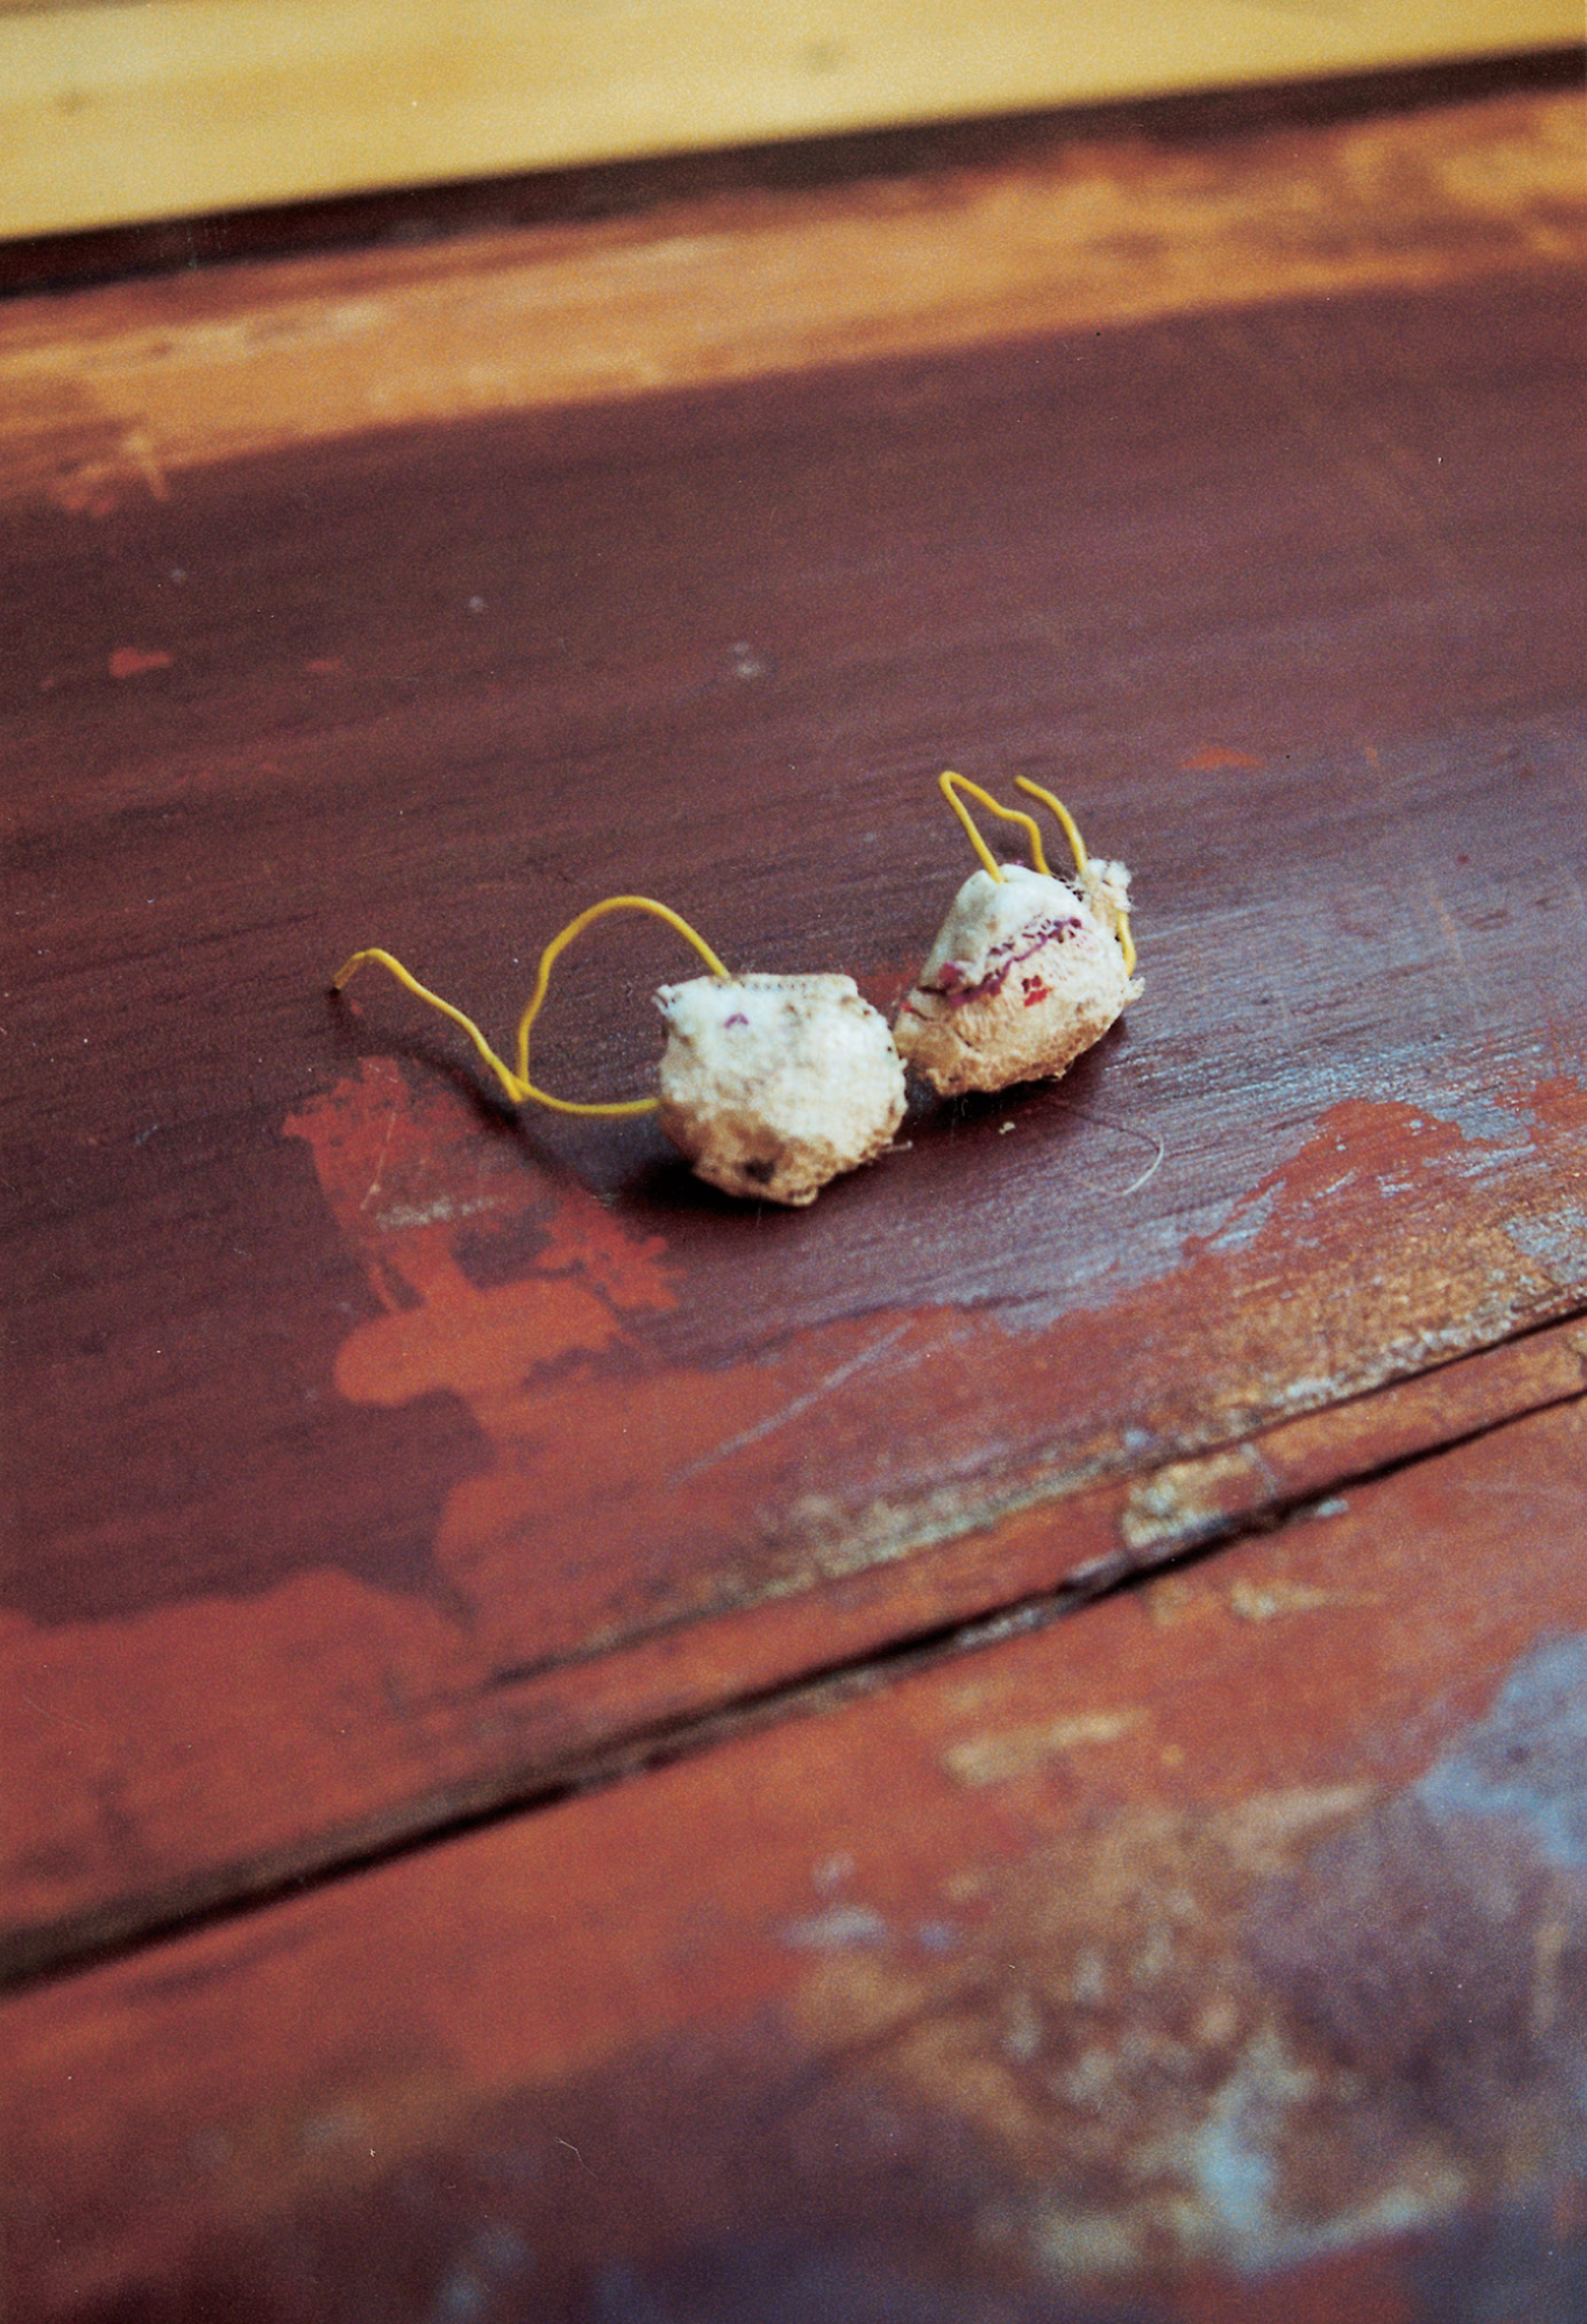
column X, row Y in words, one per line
column 836, row 1930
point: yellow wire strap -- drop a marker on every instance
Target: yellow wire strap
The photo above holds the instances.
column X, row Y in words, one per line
column 349, row 968
column 1056, row 807
column 1078, row 849
column 548, row 960
column 517, row 1085
column 951, row 785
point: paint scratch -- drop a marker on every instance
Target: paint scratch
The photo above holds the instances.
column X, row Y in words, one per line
column 373, row 1188
column 801, row 1404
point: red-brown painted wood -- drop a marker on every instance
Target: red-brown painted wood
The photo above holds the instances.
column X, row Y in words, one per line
column 1216, row 1954
column 355, row 1427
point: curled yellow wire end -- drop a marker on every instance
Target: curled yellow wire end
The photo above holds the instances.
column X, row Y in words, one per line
column 951, row 785
column 1078, row 849
column 1056, row 807
column 517, row 1085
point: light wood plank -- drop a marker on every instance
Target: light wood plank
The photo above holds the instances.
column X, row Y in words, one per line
column 116, row 114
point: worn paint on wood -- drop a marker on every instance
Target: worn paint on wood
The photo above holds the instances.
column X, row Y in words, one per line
column 1224, row 1945
column 149, row 379
column 375, row 1459
column 359, row 1428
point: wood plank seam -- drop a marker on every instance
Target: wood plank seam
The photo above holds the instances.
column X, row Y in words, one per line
column 365, row 1602
column 159, row 377
column 701, row 1967
column 179, row 106
column 62, row 1952
column 540, row 199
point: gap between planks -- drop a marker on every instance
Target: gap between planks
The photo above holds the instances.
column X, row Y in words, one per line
column 176, row 107
column 35, row 1958
column 114, row 392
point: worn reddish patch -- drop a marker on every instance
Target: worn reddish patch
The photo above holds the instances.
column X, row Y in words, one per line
column 132, row 661
column 709, row 1528
column 946, row 1950
column 631, row 1486
column 1209, row 760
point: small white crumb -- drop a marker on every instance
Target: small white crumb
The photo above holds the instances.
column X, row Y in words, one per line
column 771, row 1085
column 1025, row 974
column 1003, row 1128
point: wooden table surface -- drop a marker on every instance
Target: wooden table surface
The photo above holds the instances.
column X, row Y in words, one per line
column 1010, row 1747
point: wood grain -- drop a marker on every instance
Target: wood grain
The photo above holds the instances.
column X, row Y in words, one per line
column 377, row 1459
column 110, row 113
column 111, row 397
column 1217, row 1952
column 541, row 1771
